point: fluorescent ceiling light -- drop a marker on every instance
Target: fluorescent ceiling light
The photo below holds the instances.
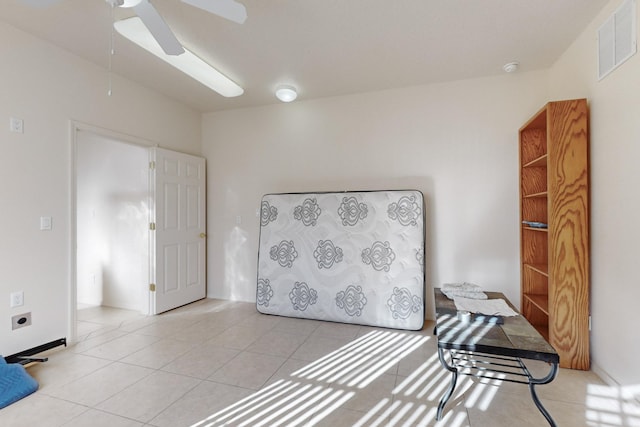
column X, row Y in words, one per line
column 127, row 3
column 134, row 30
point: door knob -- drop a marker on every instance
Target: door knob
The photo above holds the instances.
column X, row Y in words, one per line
column 203, row 235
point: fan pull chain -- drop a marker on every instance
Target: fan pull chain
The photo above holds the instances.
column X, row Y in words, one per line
column 111, row 48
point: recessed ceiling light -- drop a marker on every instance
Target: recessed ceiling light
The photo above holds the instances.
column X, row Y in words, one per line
column 511, row 67
column 286, row 93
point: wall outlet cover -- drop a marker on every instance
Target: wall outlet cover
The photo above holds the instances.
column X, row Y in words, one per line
column 20, row 321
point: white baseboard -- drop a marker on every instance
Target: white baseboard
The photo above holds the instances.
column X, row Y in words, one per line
column 604, row 376
column 629, row 393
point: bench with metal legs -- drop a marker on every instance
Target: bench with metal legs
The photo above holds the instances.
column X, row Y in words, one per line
column 479, row 365
column 492, row 348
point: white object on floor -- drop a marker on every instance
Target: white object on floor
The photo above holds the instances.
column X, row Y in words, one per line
column 489, row 307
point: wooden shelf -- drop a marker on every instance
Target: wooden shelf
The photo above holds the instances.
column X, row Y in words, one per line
column 540, row 301
column 539, row 268
column 536, row 195
column 537, row 163
column 554, row 261
column 541, row 230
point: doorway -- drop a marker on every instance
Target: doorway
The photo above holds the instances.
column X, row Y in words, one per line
column 112, row 217
column 121, row 188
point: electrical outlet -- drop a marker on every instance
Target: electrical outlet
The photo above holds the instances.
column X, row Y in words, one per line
column 20, row 321
column 17, row 299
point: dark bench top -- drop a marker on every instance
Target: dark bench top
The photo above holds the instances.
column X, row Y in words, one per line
column 515, row 337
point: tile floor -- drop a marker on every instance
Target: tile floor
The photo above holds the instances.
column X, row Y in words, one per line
column 219, row 363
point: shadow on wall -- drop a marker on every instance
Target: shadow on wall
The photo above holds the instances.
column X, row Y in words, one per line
column 236, row 262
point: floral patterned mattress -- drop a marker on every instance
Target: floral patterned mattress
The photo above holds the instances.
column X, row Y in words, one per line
column 353, row 257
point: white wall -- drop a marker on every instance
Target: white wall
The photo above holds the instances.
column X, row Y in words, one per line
column 47, row 87
column 615, row 199
column 455, row 142
column 112, row 217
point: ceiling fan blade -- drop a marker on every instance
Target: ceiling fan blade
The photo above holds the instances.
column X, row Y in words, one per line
column 228, row 9
column 39, row 3
column 158, row 28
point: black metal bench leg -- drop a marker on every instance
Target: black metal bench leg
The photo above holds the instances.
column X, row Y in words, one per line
column 533, row 382
column 541, row 408
column 454, row 378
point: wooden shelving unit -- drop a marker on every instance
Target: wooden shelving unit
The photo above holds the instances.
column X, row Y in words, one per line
column 554, row 190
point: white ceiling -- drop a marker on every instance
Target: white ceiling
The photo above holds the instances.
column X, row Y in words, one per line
column 323, row 47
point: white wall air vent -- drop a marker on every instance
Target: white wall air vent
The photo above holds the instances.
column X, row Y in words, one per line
column 617, row 38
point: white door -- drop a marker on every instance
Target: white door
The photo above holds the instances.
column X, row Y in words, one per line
column 178, row 243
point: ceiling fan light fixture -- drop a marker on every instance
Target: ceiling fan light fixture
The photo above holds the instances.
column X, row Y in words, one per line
column 134, row 30
column 127, row 3
column 286, row 93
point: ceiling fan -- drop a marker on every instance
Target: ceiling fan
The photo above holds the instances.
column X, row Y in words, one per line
column 228, row 9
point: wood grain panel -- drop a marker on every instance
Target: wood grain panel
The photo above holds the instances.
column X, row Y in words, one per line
column 534, row 246
column 534, row 180
column 536, row 283
column 537, row 318
column 533, row 145
column 535, row 209
column 569, row 232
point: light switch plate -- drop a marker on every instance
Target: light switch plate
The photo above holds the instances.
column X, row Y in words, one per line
column 17, row 299
column 45, row 223
column 16, row 125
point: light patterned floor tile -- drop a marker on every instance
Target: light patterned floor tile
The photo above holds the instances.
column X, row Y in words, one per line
column 248, row 370
column 337, row 330
column 90, row 341
column 202, row 361
column 101, row 384
column 200, row 404
column 238, row 337
column 147, row 398
column 216, row 363
column 121, row 347
column 158, row 354
column 304, row 327
column 318, row 347
column 64, row 367
column 40, row 410
column 95, row 418
column 277, row 343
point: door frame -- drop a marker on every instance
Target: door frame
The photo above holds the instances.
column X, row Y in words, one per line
column 74, row 128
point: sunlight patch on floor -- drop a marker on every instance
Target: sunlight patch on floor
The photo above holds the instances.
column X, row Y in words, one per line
column 610, row 406
column 316, row 390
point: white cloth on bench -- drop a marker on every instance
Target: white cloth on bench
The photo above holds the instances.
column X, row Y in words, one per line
column 466, row 290
column 489, row 307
